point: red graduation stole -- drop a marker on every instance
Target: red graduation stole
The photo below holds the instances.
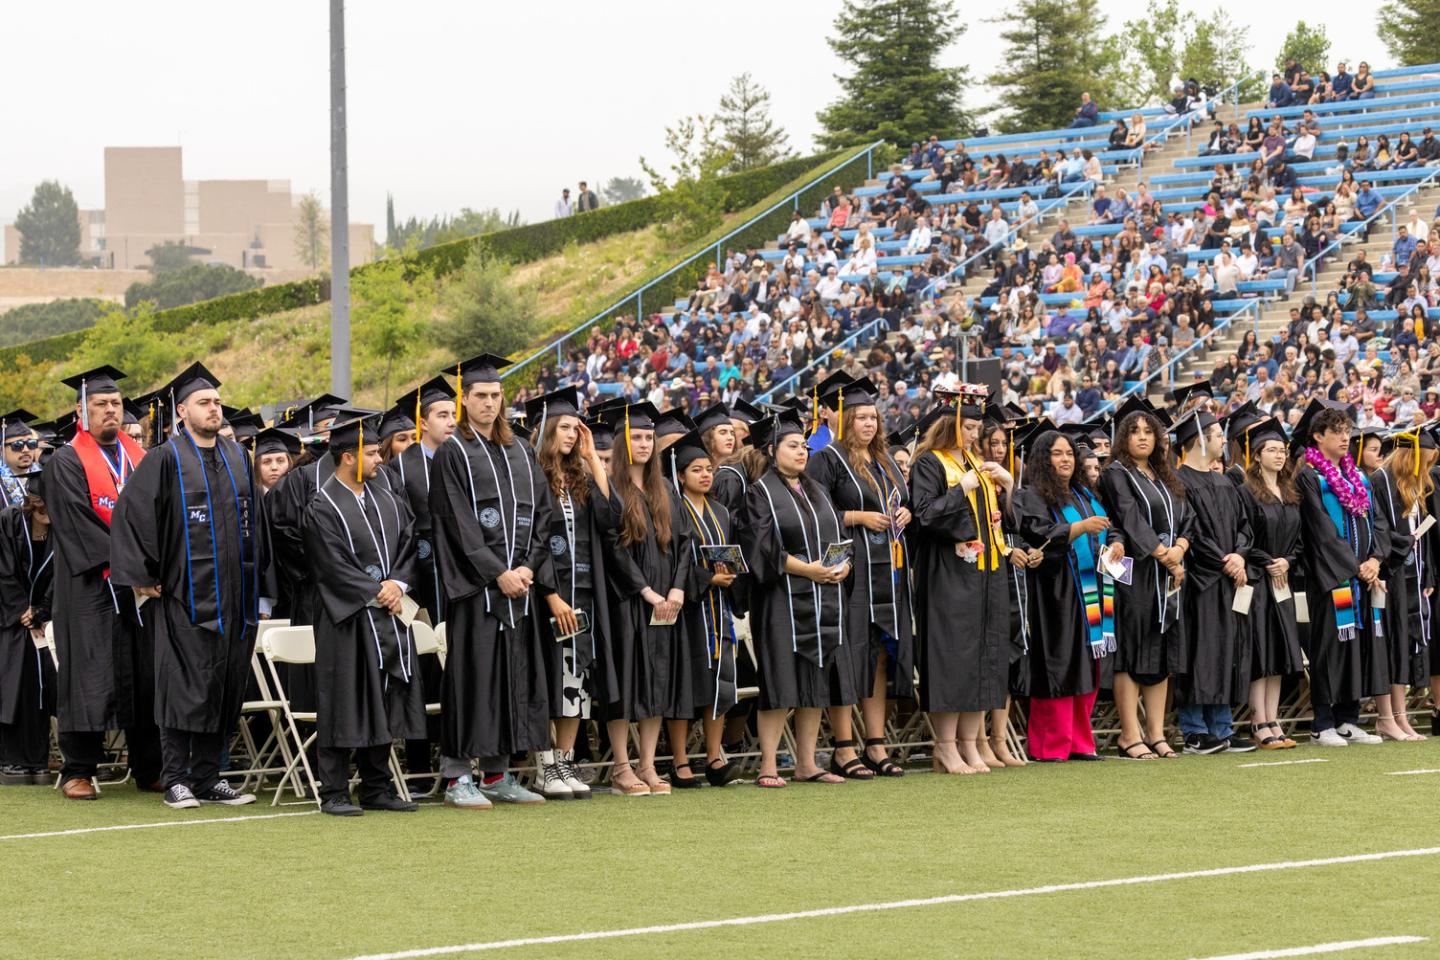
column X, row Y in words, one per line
column 99, row 474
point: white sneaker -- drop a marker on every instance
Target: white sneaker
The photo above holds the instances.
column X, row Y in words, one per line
column 578, row 788
column 1354, row 734
column 1329, row 738
column 550, row 778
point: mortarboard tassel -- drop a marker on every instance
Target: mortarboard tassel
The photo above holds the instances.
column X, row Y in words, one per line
column 84, row 408
column 840, row 419
column 457, row 389
column 417, row 416
column 629, row 451
column 1247, row 450
column 360, row 457
column 815, row 408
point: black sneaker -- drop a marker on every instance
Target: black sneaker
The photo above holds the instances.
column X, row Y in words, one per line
column 1203, row 743
column 222, row 793
column 340, row 807
column 391, row 803
column 12, row 775
column 1239, row 745
column 179, row 797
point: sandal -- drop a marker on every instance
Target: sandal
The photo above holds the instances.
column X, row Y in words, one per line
column 657, row 789
column 683, row 783
column 1169, row 753
column 884, row 767
column 826, row 777
column 631, row 786
column 856, row 769
column 1145, row 754
column 769, row 781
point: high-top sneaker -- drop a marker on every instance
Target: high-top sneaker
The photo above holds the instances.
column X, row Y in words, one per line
column 579, row 789
column 550, row 780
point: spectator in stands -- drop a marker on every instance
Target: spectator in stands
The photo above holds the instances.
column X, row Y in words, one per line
column 1100, row 207
column 997, row 231
column 1364, row 85
column 1403, row 248
column 1341, row 84
column 1218, row 142
column 1072, row 168
column 1118, row 135
column 1272, row 148
column 1406, row 153
column 1087, row 114
column 1280, row 95
column 585, row 199
column 1304, row 145
column 1282, row 175
column 1094, row 171
column 1301, row 88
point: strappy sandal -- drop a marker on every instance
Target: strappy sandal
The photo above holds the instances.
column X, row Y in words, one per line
column 884, row 767
column 1146, row 753
column 1264, row 742
column 856, row 769
column 1169, row 753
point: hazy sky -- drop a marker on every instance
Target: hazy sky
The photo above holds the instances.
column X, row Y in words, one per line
column 451, row 104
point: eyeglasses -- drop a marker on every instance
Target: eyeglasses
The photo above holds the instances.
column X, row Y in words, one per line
column 18, row 445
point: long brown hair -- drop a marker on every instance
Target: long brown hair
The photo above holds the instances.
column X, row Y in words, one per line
column 640, row 508
column 940, row 435
column 504, row 436
column 387, row 448
column 878, row 449
column 1159, row 461
column 566, row 473
column 1285, row 479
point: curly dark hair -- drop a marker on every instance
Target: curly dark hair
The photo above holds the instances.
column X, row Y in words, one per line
column 1159, row 460
column 1040, row 475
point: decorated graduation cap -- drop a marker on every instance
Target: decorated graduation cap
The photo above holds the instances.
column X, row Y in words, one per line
column 277, row 440
column 715, row 415
column 97, row 382
column 673, row 422
column 681, row 454
column 14, row 423
column 355, row 428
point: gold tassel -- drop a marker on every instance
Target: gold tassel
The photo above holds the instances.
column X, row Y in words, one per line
column 457, row 390
column 417, row 416
column 1247, row 449
column 840, row 419
column 815, row 408
column 629, row 451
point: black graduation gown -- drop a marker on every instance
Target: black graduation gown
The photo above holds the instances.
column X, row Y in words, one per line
column 367, row 693
column 1216, row 654
column 962, row 613
column 586, row 588
column 1273, row 634
column 881, row 612
column 798, row 626
column 708, row 656
column 27, row 675
column 1060, row 660
column 409, row 474
column 729, row 486
column 491, row 512
column 1340, row 671
column 651, row 673
column 1407, row 573
column 190, row 520
column 106, row 675
column 1143, row 512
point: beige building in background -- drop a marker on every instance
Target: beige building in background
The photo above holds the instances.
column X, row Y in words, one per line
column 248, row 224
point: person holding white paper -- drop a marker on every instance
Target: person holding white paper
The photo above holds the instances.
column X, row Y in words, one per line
column 1215, row 658
column 1402, row 496
column 1271, row 630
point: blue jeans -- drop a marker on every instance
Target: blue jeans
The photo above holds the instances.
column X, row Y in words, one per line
column 1214, row 719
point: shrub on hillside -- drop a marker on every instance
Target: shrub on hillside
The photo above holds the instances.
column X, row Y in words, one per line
column 485, row 310
column 199, row 281
column 35, row 320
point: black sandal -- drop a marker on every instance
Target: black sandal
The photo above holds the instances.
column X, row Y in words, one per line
column 884, row 767
column 856, row 769
column 683, row 783
column 1125, row 754
column 1170, row 755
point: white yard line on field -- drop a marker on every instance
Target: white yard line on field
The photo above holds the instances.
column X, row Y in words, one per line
column 152, row 826
column 894, row 905
column 1409, row 773
column 1336, row 947
column 1281, row 763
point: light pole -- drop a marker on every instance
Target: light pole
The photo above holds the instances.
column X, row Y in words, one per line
column 339, row 212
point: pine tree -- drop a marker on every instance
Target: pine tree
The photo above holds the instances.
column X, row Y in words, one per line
column 749, row 132
column 897, row 90
column 390, row 219
column 1407, row 28
column 1054, row 51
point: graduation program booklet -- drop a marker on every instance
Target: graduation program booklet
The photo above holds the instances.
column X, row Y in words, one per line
column 726, row 553
column 837, row 553
column 409, row 609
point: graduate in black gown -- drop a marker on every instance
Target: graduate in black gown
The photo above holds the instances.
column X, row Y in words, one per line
column 188, row 541
column 961, row 573
column 866, row 486
column 648, row 566
column 997, row 435
column 18, row 457
column 1070, row 600
column 285, row 508
column 361, row 540
column 798, row 604
column 1148, row 514
column 572, row 584
column 1238, row 424
column 274, row 453
column 491, row 513
column 1216, row 654
column 27, row 674
column 708, row 656
column 1270, row 629
column 1402, row 489
column 1342, row 550
column 106, row 678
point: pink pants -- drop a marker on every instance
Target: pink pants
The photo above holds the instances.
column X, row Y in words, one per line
column 1060, row 726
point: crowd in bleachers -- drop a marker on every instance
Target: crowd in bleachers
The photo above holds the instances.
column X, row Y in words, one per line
column 1104, row 298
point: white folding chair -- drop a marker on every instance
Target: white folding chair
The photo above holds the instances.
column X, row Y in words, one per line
column 295, row 646
column 429, row 642
column 275, row 747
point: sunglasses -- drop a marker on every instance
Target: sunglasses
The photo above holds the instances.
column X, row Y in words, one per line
column 18, row 445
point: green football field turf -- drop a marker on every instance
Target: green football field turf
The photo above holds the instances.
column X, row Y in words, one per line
column 317, row 887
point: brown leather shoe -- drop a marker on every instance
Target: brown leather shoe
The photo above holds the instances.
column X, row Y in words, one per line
column 78, row 789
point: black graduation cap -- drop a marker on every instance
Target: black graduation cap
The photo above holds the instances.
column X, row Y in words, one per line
column 1417, row 438
column 1181, row 395
column 1078, row 433
column 1193, row 424
column 190, row 380
column 564, row 402
column 837, row 379
column 484, row 368
column 1301, row 438
column 1263, row 431
column 97, row 381
column 354, row 425
column 1359, row 435
column 903, row 438
column 601, row 432
column 323, row 407
column 1237, row 421
column 13, row 424
column 1030, row 437
column 765, row 432
column 416, row 403
column 396, row 420
column 1135, row 403
column 746, row 411
column 520, row 430
column 715, row 415
column 35, row 482
column 134, row 410
column 671, row 423
column 1013, row 411
column 858, row 392
column 681, row 454
column 247, row 425
column 277, row 440
column 935, row 412
column 639, row 416
column 65, row 427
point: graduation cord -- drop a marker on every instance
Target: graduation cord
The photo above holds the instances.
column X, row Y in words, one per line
column 240, row 530
column 34, row 579
column 567, row 508
column 511, row 531
column 789, row 598
column 1415, row 561
column 425, row 459
column 894, row 574
column 1161, row 600
column 384, row 557
column 713, row 611
column 1022, row 597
